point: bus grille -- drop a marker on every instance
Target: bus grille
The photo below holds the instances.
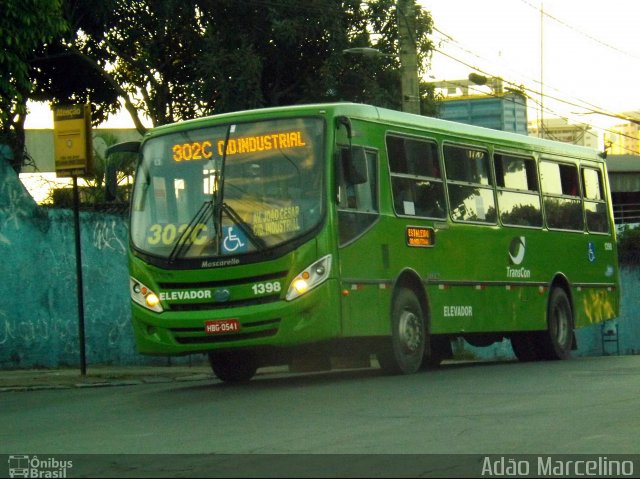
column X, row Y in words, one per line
column 233, row 303
column 223, row 305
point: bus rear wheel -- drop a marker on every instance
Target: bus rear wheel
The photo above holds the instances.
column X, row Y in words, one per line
column 233, row 367
column 404, row 352
column 557, row 340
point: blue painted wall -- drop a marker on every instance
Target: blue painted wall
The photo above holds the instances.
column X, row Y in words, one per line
column 38, row 295
column 38, row 308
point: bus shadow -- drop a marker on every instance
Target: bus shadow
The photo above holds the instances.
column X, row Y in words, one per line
column 283, row 379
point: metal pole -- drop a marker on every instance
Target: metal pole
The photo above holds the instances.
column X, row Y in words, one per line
column 76, row 221
column 406, row 17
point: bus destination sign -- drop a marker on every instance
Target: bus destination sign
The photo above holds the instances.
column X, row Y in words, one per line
column 420, row 237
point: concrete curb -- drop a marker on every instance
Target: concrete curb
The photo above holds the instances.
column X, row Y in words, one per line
column 37, row 380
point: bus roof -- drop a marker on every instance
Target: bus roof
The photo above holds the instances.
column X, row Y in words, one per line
column 397, row 118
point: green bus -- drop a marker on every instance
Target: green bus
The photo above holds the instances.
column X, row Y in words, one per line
column 279, row 235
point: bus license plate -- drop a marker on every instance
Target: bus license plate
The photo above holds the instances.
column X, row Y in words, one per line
column 222, row 326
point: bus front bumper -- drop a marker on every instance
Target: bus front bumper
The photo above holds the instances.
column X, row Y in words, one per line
column 313, row 317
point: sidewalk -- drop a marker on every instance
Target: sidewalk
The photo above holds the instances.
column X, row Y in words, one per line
column 99, row 376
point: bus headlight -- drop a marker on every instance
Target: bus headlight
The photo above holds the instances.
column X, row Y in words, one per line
column 144, row 296
column 311, row 277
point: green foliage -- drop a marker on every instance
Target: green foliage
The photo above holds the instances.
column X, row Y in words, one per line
column 629, row 246
column 24, row 26
column 173, row 60
column 179, row 59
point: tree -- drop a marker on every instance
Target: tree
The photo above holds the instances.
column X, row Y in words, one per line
column 25, row 25
column 178, row 59
column 292, row 51
column 77, row 68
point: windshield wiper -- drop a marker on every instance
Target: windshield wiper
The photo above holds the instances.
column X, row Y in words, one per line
column 218, row 209
column 186, row 238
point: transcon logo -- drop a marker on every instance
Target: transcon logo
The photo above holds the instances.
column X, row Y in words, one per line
column 517, row 249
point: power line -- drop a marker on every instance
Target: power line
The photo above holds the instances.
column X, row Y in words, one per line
column 594, row 109
column 582, row 103
column 586, row 35
column 534, row 100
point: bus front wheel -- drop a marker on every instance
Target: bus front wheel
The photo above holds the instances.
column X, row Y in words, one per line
column 403, row 353
column 233, row 368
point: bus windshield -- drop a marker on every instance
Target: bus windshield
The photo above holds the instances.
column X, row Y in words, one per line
column 228, row 189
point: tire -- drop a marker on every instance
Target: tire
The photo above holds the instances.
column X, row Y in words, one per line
column 404, row 352
column 233, row 368
column 557, row 341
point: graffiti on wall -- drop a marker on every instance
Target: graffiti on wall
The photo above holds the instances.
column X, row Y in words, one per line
column 106, row 235
column 15, row 204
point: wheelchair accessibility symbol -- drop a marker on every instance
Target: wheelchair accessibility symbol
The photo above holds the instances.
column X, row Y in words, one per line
column 591, row 251
column 235, row 241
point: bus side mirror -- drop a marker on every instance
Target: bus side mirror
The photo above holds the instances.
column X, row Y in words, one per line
column 355, row 166
column 346, row 122
column 111, row 177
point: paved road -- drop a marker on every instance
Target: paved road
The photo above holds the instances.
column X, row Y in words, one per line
column 581, row 406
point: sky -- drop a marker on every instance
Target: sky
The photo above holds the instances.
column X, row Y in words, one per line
column 586, row 52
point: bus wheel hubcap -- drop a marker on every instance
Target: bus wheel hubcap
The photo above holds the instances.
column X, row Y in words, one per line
column 410, row 331
column 562, row 325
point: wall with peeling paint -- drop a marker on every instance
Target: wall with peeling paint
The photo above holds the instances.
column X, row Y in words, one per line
column 38, row 308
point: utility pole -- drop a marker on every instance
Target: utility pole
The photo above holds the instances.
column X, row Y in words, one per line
column 406, row 17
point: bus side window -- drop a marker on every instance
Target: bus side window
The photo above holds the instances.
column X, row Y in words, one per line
column 469, row 184
column 595, row 205
column 358, row 200
column 561, row 196
column 416, row 180
column 518, row 196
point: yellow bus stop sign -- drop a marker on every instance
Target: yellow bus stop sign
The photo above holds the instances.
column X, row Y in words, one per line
column 72, row 140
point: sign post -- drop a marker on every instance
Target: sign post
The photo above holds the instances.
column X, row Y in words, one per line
column 72, row 145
